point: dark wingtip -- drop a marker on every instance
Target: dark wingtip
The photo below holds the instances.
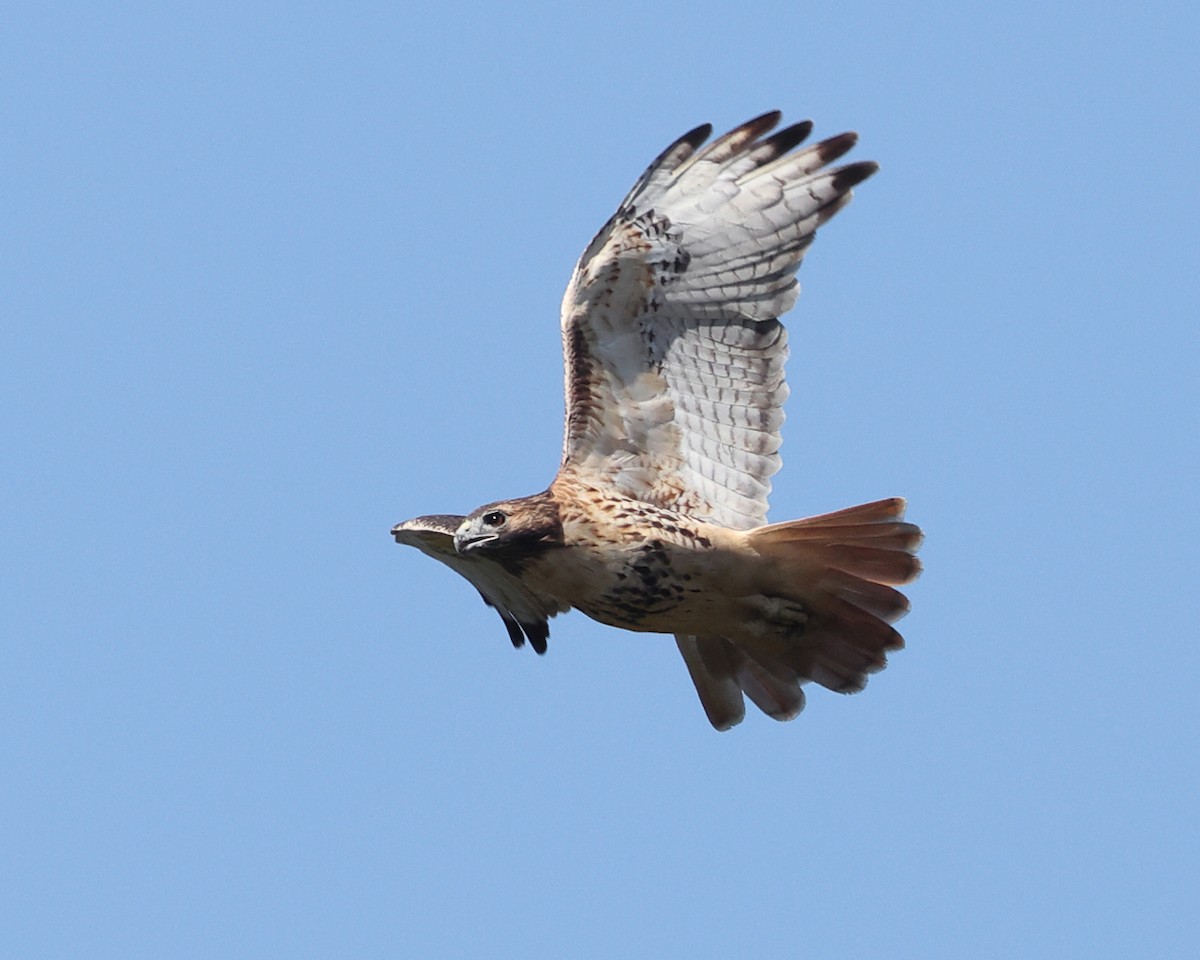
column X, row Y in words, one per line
column 514, row 632
column 538, row 633
column 696, row 136
column 511, row 625
column 789, row 137
column 853, row 174
column 763, row 122
column 835, row 147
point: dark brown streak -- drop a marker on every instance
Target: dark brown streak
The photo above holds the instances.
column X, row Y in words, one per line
column 580, row 400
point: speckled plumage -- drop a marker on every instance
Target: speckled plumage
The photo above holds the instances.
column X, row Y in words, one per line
column 674, row 380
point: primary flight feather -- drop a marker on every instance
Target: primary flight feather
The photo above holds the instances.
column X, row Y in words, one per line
column 674, row 358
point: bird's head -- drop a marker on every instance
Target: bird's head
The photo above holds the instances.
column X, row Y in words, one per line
column 511, row 528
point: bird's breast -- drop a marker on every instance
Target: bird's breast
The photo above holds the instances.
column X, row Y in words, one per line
column 635, row 575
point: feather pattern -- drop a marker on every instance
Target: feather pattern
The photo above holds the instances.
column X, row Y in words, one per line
column 674, row 353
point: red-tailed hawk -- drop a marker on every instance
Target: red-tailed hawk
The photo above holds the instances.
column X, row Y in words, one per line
column 674, row 395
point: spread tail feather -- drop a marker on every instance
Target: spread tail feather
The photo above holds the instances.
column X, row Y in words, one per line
column 842, row 568
column 722, row 671
column 835, row 575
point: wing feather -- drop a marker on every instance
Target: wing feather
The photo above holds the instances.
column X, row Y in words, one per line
column 674, row 351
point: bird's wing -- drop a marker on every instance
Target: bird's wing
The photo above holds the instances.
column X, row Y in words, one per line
column 524, row 611
column 674, row 351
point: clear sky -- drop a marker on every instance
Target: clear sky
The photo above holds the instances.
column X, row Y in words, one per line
column 277, row 276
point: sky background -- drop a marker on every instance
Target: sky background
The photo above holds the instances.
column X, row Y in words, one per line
column 277, row 276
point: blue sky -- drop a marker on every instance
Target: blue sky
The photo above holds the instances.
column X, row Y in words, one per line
column 277, row 276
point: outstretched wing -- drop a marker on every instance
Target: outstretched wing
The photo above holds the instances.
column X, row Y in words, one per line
column 674, row 353
column 525, row 612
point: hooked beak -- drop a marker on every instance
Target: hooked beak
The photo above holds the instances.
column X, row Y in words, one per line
column 465, row 539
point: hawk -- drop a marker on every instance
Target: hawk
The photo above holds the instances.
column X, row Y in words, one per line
column 674, row 372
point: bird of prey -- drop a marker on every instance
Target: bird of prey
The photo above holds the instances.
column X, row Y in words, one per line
column 656, row 519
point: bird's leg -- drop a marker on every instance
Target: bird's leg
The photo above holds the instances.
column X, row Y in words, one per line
column 782, row 615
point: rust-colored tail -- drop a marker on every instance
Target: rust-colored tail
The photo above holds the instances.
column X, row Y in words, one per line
column 842, row 568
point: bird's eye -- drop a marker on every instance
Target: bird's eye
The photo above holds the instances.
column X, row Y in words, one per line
column 494, row 518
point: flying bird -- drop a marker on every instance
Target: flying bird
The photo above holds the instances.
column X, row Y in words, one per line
column 674, row 370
